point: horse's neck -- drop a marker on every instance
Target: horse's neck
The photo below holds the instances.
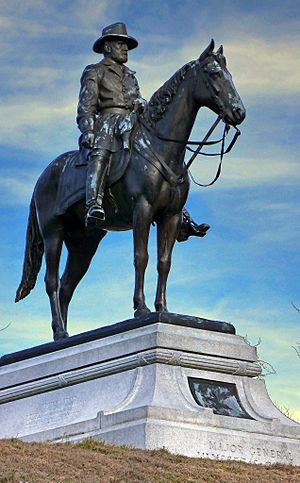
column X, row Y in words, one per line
column 177, row 123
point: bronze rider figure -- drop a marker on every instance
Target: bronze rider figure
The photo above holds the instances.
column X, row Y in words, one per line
column 108, row 100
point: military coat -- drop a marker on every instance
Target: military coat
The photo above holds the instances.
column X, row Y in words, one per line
column 107, row 95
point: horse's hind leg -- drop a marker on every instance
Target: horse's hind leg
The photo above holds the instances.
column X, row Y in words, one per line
column 167, row 232
column 53, row 246
column 81, row 250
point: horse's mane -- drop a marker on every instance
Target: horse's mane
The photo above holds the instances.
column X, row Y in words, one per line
column 160, row 100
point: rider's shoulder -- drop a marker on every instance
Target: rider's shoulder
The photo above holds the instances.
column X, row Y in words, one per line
column 92, row 70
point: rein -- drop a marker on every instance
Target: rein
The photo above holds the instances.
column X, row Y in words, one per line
column 174, row 179
column 224, row 151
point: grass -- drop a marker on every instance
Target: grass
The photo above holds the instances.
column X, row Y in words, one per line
column 91, row 462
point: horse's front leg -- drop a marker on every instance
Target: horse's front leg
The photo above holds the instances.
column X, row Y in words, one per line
column 142, row 218
column 167, row 232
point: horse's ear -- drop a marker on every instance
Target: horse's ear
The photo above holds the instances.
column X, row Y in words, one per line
column 208, row 51
column 220, row 50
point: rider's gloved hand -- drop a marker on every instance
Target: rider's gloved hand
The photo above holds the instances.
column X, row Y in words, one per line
column 140, row 104
column 87, row 139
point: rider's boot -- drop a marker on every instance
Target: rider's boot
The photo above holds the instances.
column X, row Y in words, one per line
column 96, row 177
column 190, row 228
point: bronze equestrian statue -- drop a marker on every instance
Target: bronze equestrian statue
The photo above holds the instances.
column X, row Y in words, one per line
column 145, row 185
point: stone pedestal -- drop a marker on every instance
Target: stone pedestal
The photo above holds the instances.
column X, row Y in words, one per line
column 193, row 391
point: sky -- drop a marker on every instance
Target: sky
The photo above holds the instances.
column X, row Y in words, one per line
column 246, row 270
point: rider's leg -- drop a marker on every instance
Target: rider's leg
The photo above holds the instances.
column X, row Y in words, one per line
column 96, row 177
column 190, row 228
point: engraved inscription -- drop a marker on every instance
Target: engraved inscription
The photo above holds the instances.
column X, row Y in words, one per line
column 52, row 413
column 243, row 452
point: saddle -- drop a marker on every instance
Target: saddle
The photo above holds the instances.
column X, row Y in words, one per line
column 72, row 181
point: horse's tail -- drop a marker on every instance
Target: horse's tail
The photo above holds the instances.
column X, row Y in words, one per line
column 34, row 251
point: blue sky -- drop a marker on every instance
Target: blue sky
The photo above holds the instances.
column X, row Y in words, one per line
column 246, row 271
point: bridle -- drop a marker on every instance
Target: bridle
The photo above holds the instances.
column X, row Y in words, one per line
column 167, row 172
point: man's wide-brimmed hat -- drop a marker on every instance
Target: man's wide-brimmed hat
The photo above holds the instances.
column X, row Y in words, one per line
column 115, row 31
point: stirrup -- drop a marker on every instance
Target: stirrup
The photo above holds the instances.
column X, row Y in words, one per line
column 94, row 213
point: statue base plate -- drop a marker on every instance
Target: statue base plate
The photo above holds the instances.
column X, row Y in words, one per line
column 161, row 384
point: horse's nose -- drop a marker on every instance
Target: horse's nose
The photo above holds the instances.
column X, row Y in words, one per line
column 239, row 113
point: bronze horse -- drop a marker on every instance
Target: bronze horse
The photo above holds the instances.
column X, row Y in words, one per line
column 154, row 188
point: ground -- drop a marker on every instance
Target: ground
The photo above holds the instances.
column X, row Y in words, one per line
column 97, row 462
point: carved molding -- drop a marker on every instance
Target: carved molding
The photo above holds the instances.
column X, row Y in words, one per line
column 151, row 356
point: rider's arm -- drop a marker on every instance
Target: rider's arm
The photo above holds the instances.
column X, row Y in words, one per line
column 87, row 105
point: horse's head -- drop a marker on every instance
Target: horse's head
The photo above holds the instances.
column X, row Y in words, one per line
column 218, row 92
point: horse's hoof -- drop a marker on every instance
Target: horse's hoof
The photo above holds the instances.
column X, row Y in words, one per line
column 62, row 334
column 141, row 312
column 159, row 308
column 191, row 229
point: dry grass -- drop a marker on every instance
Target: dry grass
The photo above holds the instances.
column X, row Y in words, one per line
column 96, row 462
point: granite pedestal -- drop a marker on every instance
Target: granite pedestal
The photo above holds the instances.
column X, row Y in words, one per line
column 167, row 382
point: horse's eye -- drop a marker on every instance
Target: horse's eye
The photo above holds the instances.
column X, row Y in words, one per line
column 215, row 75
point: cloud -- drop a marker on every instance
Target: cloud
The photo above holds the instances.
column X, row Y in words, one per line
column 243, row 171
column 34, row 18
column 277, row 221
column 38, row 125
column 16, row 190
column 20, row 113
column 258, row 66
column 263, row 51
column 35, row 77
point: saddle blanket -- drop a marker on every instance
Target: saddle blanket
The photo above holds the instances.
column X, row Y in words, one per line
column 72, row 181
